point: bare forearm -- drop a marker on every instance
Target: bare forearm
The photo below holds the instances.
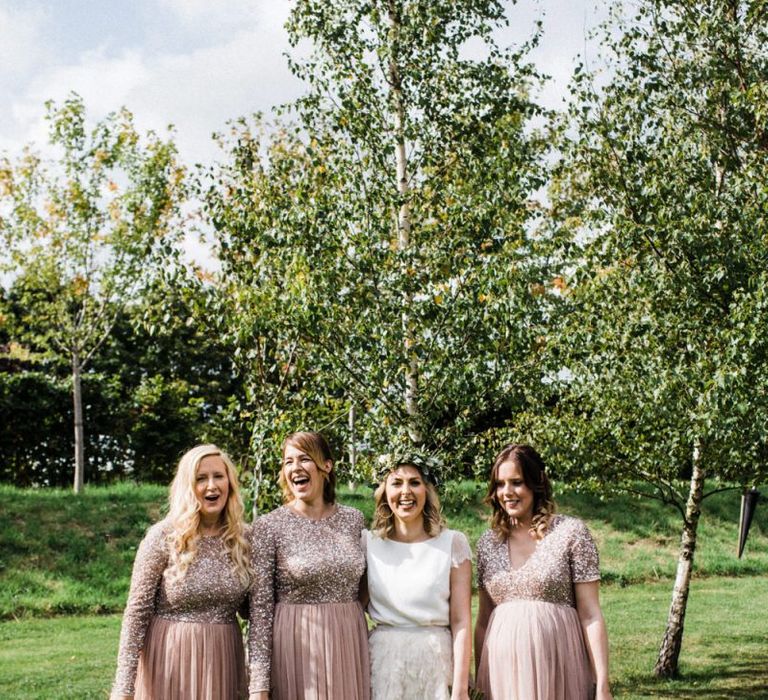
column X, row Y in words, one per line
column 462, row 648
column 597, row 645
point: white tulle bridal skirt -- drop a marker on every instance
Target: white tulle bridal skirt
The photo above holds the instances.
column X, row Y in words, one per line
column 410, row 663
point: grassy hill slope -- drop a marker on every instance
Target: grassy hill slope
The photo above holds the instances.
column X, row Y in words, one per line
column 67, row 554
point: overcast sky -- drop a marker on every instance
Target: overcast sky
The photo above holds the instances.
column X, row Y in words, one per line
column 193, row 63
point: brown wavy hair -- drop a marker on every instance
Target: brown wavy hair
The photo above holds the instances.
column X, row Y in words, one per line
column 383, row 523
column 534, row 474
column 317, row 447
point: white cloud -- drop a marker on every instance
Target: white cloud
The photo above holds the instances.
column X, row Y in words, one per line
column 22, row 48
column 197, row 90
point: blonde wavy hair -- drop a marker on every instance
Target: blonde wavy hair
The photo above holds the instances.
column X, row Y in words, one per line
column 383, row 523
column 532, row 467
column 184, row 516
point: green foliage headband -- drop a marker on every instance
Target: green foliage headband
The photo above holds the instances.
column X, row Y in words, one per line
column 430, row 467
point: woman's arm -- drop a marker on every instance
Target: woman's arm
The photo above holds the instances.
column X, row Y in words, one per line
column 461, row 627
column 595, row 635
column 148, row 567
column 484, row 611
column 261, row 611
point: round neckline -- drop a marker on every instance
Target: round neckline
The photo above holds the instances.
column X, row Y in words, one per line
column 297, row 514
column 429, row 539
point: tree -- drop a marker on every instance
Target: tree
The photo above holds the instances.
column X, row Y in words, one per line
column 378, row 245
column 661, row 199
column 85, row 230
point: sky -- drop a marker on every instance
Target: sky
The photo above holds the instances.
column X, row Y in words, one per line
column 194, row 63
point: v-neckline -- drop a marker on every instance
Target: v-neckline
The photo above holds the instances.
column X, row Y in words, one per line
column 516, row 569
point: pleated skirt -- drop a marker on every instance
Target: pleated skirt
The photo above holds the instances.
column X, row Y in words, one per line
column 320, row 652
column 192, row 661
column 534, row 651
column 414, row 663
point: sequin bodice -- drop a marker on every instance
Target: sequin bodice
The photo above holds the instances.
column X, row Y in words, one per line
column 566, row 555
column 209, row 592
column 316, row 561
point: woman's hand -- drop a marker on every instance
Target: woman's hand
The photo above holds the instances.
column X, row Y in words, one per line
column 604, row 694
column 459, row 694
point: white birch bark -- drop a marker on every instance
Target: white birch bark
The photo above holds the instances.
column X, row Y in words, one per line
column 669, row 653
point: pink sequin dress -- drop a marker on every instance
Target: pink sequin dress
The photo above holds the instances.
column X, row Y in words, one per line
column 180, row 639
column 534, row 647
column 319, row 637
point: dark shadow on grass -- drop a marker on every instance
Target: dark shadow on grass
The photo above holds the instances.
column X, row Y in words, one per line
column 748, row 678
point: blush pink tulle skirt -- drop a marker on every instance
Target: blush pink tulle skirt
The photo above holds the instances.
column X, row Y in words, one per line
column 192, row 661
column 534, row 651
column 320, row 652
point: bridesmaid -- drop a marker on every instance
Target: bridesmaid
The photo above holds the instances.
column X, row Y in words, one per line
column 419, row 584
column 540, row 632
column 180, row 638
column 309, row 565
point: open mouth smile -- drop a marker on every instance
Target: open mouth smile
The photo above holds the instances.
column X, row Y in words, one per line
column 300, row 480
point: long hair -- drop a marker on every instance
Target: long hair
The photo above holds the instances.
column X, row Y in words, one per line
column 383, row 523
column 317, row 447
column 535, row 477
column 184, row 516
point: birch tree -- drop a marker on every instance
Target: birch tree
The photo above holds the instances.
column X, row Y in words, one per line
column 381, row 236
column 87, row 225
column 661, row 199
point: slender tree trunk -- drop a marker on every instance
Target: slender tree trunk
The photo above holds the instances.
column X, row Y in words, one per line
column 77, row 401
column 258, row 472
column 352, row 447
column 669, row 653
column 404, row 232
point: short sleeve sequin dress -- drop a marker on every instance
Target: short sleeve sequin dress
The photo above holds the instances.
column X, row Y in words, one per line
column 180, row 638
column 319, row 637
column 534, row 647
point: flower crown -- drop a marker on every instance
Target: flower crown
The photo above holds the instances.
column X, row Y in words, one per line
column 430, row 467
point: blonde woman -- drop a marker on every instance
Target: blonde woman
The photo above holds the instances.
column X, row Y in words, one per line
column 540, row 633
column 419, row 587
column 308, row 565
column 180, row 638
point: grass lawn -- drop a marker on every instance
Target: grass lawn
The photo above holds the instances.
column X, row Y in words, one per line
column 725, row 650
column 65, row 566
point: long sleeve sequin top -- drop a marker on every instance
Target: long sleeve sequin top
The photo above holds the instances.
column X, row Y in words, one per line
column 298, row 560
column 566, row 555
column 210, row 591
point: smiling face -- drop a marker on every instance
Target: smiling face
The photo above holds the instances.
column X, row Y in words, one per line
column 512, row 493
column 304, row 478
column 211, row 488
column 406, row 493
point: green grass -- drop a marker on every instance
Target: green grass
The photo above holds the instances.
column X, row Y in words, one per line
column 61, row 657
column 64, row 554
column 65, row 564
column 724, row 657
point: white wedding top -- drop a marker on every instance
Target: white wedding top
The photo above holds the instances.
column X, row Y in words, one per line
column 409, row 582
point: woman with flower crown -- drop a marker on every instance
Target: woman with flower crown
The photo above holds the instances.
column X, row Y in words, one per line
column 419, row 588
column 180, row 638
